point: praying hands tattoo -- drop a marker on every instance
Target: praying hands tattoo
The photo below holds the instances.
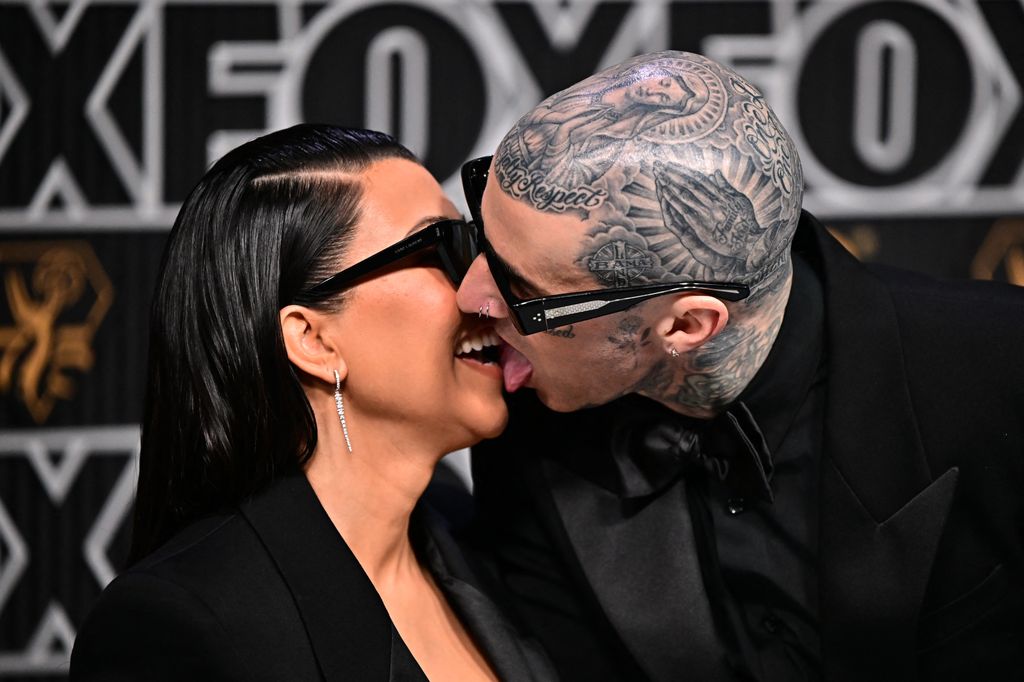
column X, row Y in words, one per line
column 712, row 220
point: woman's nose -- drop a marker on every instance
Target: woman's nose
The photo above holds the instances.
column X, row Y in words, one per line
column 478, row 292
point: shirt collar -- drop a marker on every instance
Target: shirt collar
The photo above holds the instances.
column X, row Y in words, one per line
column 780, row 386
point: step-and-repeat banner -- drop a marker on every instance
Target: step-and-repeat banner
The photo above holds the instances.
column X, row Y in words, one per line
column 909, row 116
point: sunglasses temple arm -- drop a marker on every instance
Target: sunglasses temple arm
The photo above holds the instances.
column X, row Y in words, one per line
column 533, row 318
column 561, row 319
column 593, row 307
column 537, row 318
column 379, row 260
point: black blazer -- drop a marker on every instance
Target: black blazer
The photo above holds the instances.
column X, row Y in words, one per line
column 272, row 592
column 921, row 560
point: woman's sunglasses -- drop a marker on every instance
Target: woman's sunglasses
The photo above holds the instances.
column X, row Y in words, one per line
column 544, row 313
column 454, row 240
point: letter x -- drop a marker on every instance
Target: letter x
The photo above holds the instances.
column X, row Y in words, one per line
column 54, row 536
column 57, row 86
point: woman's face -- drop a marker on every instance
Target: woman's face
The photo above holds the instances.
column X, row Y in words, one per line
column 659, row 91
column 402, row 334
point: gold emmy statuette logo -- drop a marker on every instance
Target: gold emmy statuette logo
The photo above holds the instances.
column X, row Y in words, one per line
column 860, row 240
column 1003, row 248
column 44, row 283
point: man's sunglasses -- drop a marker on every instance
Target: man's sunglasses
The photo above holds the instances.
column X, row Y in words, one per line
column 454, row 240
column 544, row 313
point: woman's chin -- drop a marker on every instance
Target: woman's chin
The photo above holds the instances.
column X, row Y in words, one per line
column 486, row 423
column 498, row 423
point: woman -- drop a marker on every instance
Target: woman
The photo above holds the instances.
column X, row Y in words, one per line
column 574, row 139
column 308, row 369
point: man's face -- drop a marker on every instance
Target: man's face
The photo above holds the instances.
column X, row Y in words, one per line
column 576, row 366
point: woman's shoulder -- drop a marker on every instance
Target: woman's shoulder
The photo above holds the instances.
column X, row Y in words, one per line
column 208, row 551
column 148, row 626
column 208, row 604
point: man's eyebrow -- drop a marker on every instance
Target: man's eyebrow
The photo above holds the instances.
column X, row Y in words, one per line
column 528, row 288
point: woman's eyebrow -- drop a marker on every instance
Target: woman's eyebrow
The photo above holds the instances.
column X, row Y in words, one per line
column 430, row 220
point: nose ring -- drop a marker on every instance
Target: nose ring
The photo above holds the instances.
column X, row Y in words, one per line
column 484, row 311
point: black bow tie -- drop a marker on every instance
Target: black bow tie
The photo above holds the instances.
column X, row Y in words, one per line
column 652, row 449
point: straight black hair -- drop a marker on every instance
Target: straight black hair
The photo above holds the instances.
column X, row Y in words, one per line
column 225, row 413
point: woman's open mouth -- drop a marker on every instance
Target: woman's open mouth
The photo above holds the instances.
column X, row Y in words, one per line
column 481, row 346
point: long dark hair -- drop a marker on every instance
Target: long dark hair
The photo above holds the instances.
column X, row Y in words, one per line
column 225, row 413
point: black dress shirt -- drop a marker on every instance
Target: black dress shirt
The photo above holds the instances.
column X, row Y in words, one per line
column 766, row 552
column 750, row 480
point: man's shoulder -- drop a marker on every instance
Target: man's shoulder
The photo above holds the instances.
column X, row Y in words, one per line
column 960, row 346
column 957, row 313
column 924, row 290
column 913, row 293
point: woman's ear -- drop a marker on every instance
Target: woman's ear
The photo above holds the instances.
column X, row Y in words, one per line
column 692, row 321
column 309, row 345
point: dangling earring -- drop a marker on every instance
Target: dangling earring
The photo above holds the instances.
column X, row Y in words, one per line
column 340, row 404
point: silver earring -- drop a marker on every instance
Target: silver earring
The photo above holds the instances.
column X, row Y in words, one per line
column 340, row 404
column 674, row 353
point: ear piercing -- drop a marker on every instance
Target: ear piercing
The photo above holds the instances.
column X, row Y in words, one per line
column 673, row 352
column 340, row 404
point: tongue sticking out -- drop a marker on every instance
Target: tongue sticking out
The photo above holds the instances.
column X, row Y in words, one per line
column 516, row 368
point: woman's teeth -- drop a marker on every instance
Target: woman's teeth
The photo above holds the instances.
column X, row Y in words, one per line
column 477, row 342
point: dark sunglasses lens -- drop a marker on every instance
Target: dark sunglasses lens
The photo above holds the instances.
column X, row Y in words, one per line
column 474, row 180
column 458, row 250
column 464, row 246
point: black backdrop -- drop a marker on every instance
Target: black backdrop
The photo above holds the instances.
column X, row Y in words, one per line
column 908, row 115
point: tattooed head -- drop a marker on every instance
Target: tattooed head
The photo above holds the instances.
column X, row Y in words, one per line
column 668, row 167
column 672, row 161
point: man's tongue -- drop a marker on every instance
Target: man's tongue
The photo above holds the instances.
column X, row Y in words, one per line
column 516, row 368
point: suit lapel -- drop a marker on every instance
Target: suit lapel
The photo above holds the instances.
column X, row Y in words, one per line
column 345, row 619
column 640, row 559
column 882, row 509
column 511, row 656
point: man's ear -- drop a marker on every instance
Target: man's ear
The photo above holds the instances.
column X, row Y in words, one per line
column 692, row 321
column 309, row 347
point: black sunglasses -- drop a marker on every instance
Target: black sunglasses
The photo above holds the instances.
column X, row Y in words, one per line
column 455, row 241
column 544, row 313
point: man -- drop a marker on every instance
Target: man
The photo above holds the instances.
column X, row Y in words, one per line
column 788, row 467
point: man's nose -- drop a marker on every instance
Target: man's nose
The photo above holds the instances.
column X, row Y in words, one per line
column 479, row 292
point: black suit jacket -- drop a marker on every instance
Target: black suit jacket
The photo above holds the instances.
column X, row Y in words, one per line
column 921, row 561
column 272, row 592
